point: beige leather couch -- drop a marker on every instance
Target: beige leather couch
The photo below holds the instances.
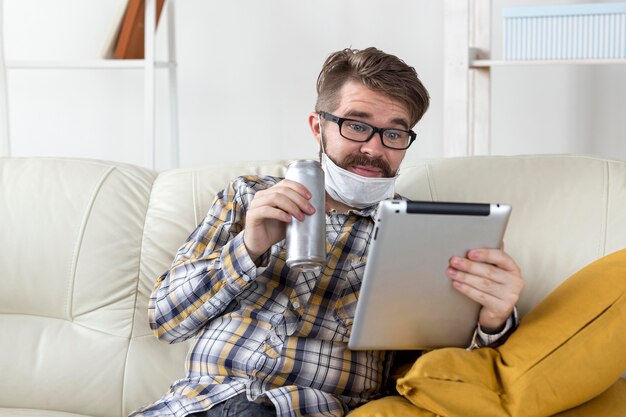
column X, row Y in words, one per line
column 82, row 241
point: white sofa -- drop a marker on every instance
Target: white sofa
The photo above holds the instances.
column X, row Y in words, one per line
column 82, row 241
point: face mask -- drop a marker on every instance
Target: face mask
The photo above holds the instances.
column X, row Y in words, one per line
column 352, row 189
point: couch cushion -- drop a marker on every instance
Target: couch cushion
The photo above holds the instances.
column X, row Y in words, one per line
column 180, row 199
column 24, row 412
column 71, row 244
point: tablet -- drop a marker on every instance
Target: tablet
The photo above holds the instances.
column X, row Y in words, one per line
column 407, row 300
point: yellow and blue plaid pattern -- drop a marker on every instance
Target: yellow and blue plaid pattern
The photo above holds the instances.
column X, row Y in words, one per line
column 276, row 334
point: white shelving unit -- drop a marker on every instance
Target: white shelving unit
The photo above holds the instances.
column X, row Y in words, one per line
column 466, row 90
column 467, row 76
column 148, row 65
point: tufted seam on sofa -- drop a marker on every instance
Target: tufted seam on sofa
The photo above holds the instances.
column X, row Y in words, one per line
column 194, row 196
column 82, row 325
column 606, row 178
column 79, row 241
column 431, row 184
column 133, row 318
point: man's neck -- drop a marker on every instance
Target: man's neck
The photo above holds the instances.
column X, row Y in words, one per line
column 338, row 206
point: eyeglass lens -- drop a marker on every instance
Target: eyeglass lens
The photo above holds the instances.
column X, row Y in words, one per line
column 359, row 131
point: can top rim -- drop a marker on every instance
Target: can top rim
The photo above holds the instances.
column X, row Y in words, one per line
column 303, row 161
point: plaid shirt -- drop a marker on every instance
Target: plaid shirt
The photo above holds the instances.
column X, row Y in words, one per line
column 268, row 331
column 276, row 334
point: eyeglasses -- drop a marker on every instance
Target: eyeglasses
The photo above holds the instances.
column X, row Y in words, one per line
column 357, row 131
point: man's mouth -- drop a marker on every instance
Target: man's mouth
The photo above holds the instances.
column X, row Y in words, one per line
column 367, row 167
column 367, row 171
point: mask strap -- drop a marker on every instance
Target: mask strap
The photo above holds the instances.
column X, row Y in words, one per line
column 319, row 121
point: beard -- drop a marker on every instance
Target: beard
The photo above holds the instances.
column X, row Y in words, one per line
column 361, row 159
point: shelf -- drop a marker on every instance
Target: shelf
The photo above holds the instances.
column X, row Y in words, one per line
column 485, row 63
column 467, row 75
column 87, row 64
column 148, row 66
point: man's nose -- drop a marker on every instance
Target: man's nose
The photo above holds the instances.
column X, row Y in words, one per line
column 373, row 147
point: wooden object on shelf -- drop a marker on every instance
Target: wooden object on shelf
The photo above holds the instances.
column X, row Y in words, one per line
column 110, row 41
column 130, row 43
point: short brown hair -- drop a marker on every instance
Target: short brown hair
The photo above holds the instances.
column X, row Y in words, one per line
column 377, row 71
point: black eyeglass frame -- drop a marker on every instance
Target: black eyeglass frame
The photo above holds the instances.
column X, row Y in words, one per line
column 379, row 130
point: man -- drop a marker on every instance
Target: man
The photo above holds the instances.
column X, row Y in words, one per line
column 271, row 341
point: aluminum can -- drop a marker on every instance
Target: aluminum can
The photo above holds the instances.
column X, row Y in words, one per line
column 306, row 240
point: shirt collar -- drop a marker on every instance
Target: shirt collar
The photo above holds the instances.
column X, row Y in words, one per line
column 370, row 211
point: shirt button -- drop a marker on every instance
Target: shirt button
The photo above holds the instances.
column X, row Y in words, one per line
column 296, row 305
column 274, row 339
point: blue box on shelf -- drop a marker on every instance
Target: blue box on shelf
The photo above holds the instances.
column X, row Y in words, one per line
column 561, row 32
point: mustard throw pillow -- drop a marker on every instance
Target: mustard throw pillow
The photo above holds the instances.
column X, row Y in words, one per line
column 392, row 406
column 567, row 350
column 611, row 403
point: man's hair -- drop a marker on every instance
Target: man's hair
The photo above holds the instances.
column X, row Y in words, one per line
column 375, row 70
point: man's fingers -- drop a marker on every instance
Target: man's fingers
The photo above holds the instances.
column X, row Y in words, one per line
column 488, row 286
column 494, row 257
column 286, row 200
column 491, row 278
column 296, row 186
column 483, row 298
column 273, row 213
column 479, row 269
column 496, row 302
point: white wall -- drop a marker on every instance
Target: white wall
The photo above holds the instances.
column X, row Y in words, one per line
column 247, row 71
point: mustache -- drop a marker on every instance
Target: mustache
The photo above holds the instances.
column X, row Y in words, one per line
column 360, row 159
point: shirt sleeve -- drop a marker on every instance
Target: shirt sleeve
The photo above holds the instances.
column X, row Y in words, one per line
column 484, row 339
column 208, row 271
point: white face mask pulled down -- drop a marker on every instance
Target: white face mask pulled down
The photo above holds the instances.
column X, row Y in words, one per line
column 352, row 189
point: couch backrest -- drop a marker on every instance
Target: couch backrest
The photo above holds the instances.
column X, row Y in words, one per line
column 82, row 243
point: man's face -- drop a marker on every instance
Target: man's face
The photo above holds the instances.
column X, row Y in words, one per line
column 371, row 158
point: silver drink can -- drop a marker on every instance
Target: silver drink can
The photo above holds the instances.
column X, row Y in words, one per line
column 306, row 240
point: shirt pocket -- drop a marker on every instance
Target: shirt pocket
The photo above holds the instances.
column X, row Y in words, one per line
column 345, row 308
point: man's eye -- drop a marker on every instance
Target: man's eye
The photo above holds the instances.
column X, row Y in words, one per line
column 393, row 135
column 357, row 127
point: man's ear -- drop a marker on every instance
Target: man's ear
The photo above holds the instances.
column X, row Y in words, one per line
column 314, row 125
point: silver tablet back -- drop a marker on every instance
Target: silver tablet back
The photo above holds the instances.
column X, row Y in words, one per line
column 407, row 301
